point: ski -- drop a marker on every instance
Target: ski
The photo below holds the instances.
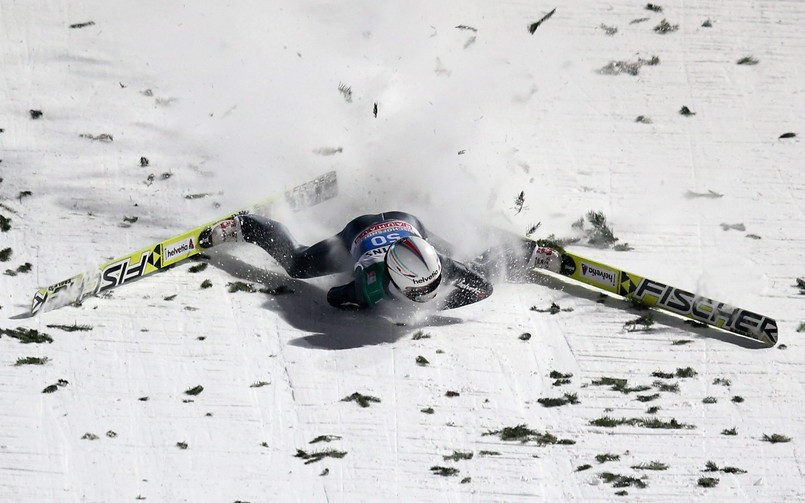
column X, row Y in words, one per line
column 654, row 294
column 169, row 252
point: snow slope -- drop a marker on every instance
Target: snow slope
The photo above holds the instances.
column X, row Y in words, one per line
column 237, row 99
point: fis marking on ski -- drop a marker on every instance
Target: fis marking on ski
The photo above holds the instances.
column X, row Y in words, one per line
column 167, row 253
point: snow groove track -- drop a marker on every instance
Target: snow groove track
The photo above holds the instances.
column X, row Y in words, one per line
column 227, row 103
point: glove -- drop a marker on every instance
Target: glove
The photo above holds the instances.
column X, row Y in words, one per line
column 343, row 297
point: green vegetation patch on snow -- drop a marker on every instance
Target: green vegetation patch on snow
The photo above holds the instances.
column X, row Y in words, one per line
column 32, row 360
column 603, row 458
column 599, row 233
column 198, row 267
column 776, row 438
column 75, row 327
column 324, row 438
column 667, row 387
column 652, row 423
column 653, row 465
column 618, row 384
column 458, row 456
column 444, row 471
column 524, row 434
column 618, row 480
column 640, row 324
column 195, row 390
column 362, row 400
column 240, row 286
column 707, row 482
column 313, row 457
column 568, row 398
column 26, row 335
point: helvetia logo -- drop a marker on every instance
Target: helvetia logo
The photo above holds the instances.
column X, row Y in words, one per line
column 177, row 250
column 419, row 281
column 598, row 274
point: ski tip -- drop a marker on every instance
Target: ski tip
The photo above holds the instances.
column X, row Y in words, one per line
column 768, row 332
column 38, row 302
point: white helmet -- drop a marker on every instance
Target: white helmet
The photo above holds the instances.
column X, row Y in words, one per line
column 414, row 268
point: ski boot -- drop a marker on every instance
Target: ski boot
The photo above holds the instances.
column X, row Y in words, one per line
column 225, row 231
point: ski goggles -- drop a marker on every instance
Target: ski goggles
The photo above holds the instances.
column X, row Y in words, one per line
column 419, row 293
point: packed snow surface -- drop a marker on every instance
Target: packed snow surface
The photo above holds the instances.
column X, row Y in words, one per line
column 448, row 110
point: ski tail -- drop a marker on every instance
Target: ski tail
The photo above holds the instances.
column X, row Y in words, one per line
column 167, row 253
column 669, row 298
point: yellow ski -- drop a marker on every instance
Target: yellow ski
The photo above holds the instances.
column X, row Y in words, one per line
column 669, row 298
column 167, row 253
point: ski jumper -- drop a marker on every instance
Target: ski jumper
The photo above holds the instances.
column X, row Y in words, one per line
column 361, row 248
